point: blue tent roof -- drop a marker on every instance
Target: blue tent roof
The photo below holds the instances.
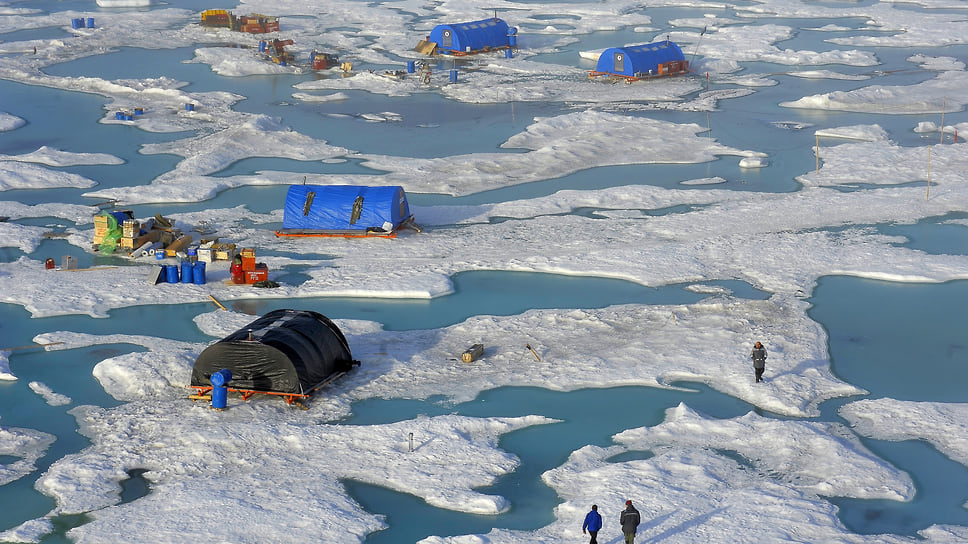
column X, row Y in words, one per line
column 344, row 208
column 638, row 59
column 473, row 36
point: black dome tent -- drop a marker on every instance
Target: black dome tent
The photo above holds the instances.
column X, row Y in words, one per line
column 284, row 352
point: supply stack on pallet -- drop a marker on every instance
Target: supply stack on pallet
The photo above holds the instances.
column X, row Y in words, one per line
column 254, row 23
column 213, row 250
column 246, row 271
column 119, row 230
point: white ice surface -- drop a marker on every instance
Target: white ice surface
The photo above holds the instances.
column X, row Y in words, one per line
column 5, row 373
column 25, row 444
column 10, row 122
column 199, row 459
column 889, row 419
column 48, row 394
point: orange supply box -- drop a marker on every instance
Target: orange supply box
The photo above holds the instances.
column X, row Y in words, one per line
column 260, row 273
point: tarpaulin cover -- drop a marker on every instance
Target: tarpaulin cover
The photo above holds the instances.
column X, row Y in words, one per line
column 473, row 36
column 344, row 207
column 638, row 59
column 284, row 351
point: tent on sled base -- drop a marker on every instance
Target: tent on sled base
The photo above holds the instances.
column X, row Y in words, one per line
column 345, row 210
column 284, row 352
column 663, row 58
column 469, row 38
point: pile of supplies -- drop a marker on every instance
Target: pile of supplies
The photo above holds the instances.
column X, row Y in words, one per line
column 245, row 270
column 120, row 230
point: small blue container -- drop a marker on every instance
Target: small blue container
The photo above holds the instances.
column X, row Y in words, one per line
column 159, row 254
column 90, row 22
column 411, row 66
column 171, row 273
column 262, row 46
column 198, row 274
column 189, row 107
column 221, row 378
column 453, row 76
column 186, row 272
column 219, row 390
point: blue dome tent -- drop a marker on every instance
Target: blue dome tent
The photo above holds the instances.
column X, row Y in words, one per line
column 345, row 210
column 472, row 37
column 663, row 58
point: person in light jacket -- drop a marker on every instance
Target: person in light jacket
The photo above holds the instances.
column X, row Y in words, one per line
column 759, row 361
column 593, row 523
column 630, row 521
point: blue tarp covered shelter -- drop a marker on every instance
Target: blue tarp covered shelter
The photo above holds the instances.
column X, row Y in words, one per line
column 471, row 37
column 344, row 209
column 659, row 58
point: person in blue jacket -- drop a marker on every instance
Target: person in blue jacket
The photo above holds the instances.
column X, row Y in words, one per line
column 593, row 524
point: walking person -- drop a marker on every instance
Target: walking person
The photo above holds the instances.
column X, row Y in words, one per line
column 759, row 361
column 630, row 521
column 593, row 523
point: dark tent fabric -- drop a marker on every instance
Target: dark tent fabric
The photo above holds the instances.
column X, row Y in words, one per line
column 639, row 60
column 471, row 37
column 284, row 351
column 344, row 208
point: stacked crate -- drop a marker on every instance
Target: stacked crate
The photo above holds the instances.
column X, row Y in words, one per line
column 254, row 272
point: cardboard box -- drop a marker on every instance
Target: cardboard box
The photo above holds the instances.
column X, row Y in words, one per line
column 130, row 228
column 223, row 252
column 134, row 243
column 248, row 259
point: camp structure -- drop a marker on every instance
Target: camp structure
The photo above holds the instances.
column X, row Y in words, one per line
column 285, row 352
column 642, row 61
column 469, row 38
column 346, row 211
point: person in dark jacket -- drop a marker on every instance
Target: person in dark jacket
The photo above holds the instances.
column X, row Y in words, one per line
column 759, row 361
column 630, row 521
column 593, row 523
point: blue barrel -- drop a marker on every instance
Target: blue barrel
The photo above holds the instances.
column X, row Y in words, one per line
column 90, row 22
column 198, row 274
column 119, row 115
column 221, row 378
column 219, row 390
column 76, row 23
column 186, row 272
column 411, row 66
column 508, row 53
column 189, row 107
column 171, row 273
column 128, row 117
column 220, row 397
column 453, row 76
column 262, row 46
column 513, row 37
column 139, row 111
